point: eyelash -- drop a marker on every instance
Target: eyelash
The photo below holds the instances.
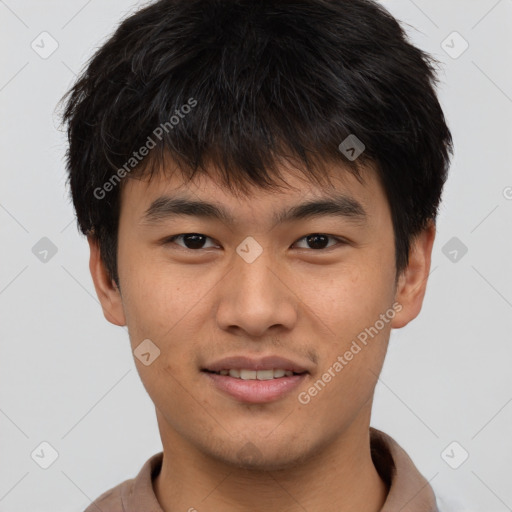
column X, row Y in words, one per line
column 339, row 240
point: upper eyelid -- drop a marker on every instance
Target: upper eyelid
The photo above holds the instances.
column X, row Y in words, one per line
column 173, row 237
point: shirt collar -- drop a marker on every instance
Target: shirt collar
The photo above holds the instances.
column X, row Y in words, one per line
column 409, row 491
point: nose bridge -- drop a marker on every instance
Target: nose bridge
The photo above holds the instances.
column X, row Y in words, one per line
column 253, row 297
column 255, row 280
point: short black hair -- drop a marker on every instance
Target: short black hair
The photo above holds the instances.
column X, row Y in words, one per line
column 236, row 86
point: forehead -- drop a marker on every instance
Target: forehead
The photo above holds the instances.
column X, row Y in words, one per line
column 147, row 200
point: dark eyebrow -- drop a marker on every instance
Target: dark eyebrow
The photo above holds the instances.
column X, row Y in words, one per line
column 341, row 206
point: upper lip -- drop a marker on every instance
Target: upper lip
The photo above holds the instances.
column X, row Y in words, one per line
column 263, row 363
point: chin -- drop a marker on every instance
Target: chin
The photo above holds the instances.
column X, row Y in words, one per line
column 262, row 456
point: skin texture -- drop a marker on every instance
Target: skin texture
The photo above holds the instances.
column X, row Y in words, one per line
column 306, row 304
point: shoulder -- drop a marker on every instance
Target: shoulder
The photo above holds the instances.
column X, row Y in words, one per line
column 111, row 500
column 134, row 494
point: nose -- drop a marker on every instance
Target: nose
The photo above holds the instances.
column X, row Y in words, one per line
column 257, row 297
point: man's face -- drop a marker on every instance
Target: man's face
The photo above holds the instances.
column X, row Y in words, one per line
column 306, row 299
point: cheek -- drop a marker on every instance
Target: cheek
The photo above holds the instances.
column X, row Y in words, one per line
column 170, row 308
column 350, row 326
column 347, row 299
column 155, row 295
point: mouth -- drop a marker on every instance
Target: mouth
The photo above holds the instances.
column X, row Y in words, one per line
column 247, row 374
column 255, row 386
column 255, row 379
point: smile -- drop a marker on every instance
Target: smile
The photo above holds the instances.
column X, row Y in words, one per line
column 251, row 386
column 245, row 374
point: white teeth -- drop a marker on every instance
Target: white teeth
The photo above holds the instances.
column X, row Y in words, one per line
column 265, row 374
column 248, row 374
column 256, row 375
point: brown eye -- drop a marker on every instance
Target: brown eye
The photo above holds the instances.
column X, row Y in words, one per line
column 191, row 241
column 318, row 241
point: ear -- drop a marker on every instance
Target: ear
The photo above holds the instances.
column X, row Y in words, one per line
column 412, row 282
column 106, row 289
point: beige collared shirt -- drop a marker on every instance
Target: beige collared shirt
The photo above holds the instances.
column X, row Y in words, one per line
column 409, row 491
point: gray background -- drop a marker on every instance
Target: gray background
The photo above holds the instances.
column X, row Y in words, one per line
column 68, row 377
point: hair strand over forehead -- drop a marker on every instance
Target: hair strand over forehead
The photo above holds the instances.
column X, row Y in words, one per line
column 237, row 87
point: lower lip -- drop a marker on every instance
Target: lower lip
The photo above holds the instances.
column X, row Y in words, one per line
column 255, row 391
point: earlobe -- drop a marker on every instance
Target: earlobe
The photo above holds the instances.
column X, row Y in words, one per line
column 106, row 289
column 412, row 282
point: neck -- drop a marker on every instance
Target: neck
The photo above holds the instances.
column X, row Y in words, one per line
column 340, row 477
